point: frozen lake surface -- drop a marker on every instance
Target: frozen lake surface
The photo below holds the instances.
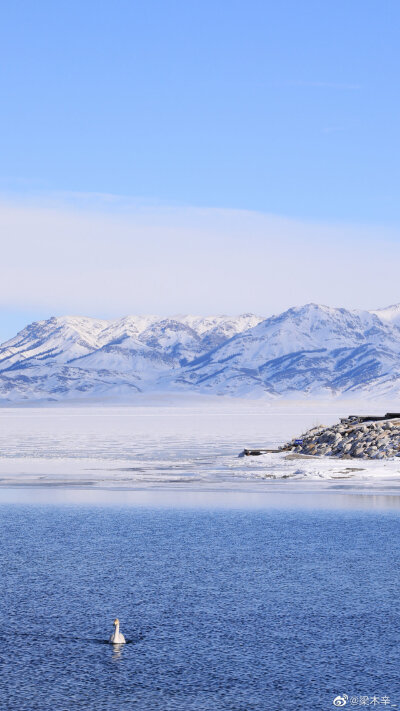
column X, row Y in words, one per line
column 190, row 445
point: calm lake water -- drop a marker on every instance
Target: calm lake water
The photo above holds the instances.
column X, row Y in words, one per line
column 235, row 609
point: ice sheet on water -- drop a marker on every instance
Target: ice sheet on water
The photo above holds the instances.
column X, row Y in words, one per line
column 171, row 445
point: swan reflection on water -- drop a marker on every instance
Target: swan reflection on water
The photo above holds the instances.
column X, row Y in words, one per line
column 116, row 651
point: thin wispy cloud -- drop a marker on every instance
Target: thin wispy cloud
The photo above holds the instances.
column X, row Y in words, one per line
column 90, row 259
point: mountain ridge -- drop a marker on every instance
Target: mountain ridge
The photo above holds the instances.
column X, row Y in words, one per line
column 310, row 350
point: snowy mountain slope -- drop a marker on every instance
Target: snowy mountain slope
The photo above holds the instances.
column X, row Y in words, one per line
column 56, row 340
column 124, row 327
column 127, row 355
column 63, row 382
column 311, row 350
column 391, row 314
column 64, row 338
column 173, row 338
column 215, row 330
column 54, row 357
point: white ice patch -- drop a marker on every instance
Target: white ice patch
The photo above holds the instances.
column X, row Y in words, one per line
column 171, row 445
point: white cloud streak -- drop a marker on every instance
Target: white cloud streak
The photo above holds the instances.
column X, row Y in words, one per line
column 108, row 257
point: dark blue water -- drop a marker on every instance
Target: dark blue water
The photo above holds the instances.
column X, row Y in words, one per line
column 224, row 610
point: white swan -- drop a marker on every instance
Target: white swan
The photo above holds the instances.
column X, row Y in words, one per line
column 117, row 637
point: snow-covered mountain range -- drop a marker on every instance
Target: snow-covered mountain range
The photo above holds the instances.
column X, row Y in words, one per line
column 310, row 350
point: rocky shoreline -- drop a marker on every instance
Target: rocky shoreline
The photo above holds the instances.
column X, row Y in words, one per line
column 352, row 438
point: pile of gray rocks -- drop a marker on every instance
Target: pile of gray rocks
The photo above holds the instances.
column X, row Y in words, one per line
column 350, row 439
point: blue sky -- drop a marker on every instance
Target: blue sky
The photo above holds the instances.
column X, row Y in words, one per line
column 289, row 109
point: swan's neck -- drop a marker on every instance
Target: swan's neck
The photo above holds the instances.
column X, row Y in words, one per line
column 117, row 629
